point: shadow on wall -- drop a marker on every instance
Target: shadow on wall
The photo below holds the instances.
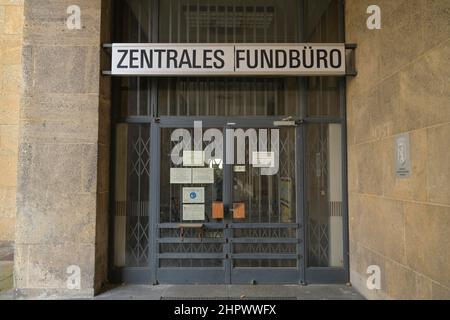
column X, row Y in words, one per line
column 6, row 265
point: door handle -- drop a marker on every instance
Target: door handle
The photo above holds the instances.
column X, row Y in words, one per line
column 284, row 123
column 287, row 122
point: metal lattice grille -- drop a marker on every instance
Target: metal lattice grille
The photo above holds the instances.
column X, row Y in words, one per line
column 324, row 196
column 132, row 233
column 215, row 21
column 318, row 243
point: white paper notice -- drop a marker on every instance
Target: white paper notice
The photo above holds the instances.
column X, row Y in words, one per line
column 194, row 158
column 180, row 176
column 263, row 159
column 203, row 176
column 194, row 212
column 193, row 195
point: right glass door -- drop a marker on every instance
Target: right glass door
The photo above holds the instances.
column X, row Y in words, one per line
column 265, row 234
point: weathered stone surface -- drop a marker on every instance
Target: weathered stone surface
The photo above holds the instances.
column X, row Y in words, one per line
column 370, row 167
column 359, row 110
column 440, row 292
column 46, row 23
column 55, row 168
column 65, row 69
column 6, row 275
column 8, row 201
column 11, row 79
column 6, row 250
column 435, row 21
column 11, row 21
column 400, row 43
column 56, row 107
column 60, row 218
column 402, row 86
column 413, row 188
column 427, row 241
column 404, row 284
column 11, row 51
column 46, row 265
column 59, row 207
column 7, row 228
column 8, row 172
column 8, row 140
column 360, row 259
column 438, row 164
column 9, row 109
column 371, row 217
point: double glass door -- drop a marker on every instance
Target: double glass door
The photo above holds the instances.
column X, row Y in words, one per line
column 228, row 202
column 283, row 224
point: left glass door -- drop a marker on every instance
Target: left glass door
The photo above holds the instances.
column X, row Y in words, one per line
column 191, row 240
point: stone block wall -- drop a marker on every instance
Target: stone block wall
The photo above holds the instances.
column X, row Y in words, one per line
column 63, row 150
column 11, row 26
column 403, row 86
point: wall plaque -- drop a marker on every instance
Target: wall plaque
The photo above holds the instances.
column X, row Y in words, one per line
column 402, row 156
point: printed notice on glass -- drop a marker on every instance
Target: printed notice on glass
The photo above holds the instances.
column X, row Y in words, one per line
column 193, row 195
column 194, row 212
column 180, row 176
column 193, row 158
column 263, row 159
column 203, row 176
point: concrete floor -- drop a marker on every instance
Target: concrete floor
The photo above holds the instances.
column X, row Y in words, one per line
column 220, row 292
column 227, row 292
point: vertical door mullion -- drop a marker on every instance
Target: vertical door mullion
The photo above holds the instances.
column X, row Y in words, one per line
column 227, row 199
column 155, row 179
column 300, row 186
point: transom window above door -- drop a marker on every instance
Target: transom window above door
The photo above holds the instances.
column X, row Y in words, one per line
column 216, row 21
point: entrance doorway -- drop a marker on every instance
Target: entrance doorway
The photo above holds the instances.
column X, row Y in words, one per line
column 249, row 225
column 246, row 223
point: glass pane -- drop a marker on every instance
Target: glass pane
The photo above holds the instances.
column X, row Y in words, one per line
column 321, row 22
column 132, row 172
column 173, row 198
column 135, row 17
column 322, row 96
column 176, row 197
column 136, row 28
column 213, row 21
column 228, row 97
column 324, row 195
column 135, row 96
column 322, row 25
column 268, row 197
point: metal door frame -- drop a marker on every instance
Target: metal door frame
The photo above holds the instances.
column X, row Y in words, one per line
column 227, row 272
column 149, row 274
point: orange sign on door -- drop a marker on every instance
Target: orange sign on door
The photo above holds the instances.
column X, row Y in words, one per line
column 217, row 210
column 239, row 210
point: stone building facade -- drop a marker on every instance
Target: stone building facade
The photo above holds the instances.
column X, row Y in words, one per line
column 55, row 139
column 11, row 29
column 402, row 86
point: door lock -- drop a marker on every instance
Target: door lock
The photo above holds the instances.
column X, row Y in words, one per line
column 287, row 122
